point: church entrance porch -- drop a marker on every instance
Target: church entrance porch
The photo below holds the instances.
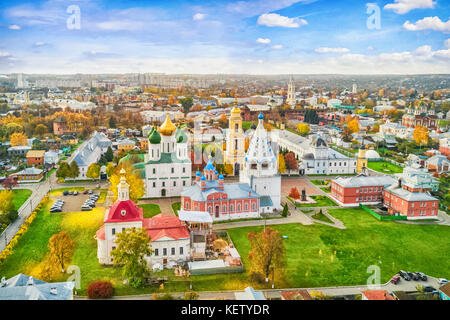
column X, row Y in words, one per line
column 237, row 168
column 216, row 210
column 163, row 192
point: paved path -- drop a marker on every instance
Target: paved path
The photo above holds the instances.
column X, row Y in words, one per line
column 408, row 286
column 443, row 219
column 165, row 204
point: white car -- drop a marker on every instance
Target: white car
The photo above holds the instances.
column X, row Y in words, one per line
column 442, row 281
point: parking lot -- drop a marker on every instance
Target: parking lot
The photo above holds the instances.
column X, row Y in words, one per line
column 73, row 203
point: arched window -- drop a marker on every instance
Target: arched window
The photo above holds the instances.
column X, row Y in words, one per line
column 231, row 208
column 210, row 209
column 254, row 206
column 239, row 207
column 246, row 207
column 224, row 208
column 187, row 206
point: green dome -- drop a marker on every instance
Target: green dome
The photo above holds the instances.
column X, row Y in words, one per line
column 151, row 131
column 155, row 137
column 181, row 136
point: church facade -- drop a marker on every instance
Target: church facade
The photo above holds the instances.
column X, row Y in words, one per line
column 420, row 116
column 260, row 169
column 167, row 167
column 170, row 238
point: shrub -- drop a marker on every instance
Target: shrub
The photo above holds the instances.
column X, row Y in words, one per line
column 100, row 290
column 257, row 277
column 285, row 210
column 166, row 296
column 294, row 194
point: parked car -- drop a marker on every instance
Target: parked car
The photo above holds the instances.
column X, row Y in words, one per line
column 85, row 192
column 429, row 289
column 404, row 275
column 55, row 210
column 90, row 191
column 442, row 281
column 422, row 276
column 66, row 193
column 85, row 208
column 413, row 276
column 70, row 192
column 395, row 279
column 75, row 193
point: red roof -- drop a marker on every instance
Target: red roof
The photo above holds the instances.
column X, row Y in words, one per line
column 123, row 211
column 101, row 233
column 295, row 295
column 166, row 226
column 377, row 295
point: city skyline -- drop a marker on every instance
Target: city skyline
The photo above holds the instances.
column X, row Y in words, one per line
column 232, row 37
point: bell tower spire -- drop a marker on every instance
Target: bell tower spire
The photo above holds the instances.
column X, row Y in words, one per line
column 123, row 189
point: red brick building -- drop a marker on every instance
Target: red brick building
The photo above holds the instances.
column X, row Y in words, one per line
column 420, row 116
column 414, row 205
column 35, row 157
column 361, row 189
column 59, row 126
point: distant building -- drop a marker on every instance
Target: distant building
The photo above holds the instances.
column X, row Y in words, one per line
column 18, row 151
column 35, row 157
column 126, row 145
column 59, row 126
column 376, row 295
column 444, row 292
column 420, row 116
column 29, row 175
column 291, row 99
column 91, row 152
column 235, row 148
column 22, row 287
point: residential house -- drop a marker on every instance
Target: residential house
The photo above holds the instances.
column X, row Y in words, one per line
column 29, row 175
column 376, row 295
column 35, row 157
column 444, row 292
column 250, row 294
column 18, row 151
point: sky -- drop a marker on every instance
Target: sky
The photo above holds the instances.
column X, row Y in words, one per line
column 228, row 36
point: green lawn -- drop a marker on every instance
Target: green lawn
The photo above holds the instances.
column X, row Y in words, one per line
column 320, row 216
column 317, row 182
column 150, row 209
column 20, row 196
column 176, row 206
column 318, row 255
column 385, row 167
column 321, row 201
column 327, row 190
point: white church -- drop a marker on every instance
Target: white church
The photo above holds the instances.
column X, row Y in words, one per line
column 260, row 169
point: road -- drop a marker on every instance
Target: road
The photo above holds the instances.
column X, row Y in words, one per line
column 408, row 286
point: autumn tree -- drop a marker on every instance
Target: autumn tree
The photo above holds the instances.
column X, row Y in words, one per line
column 74, row 170
column 61, row 248
column 63, row 170
column 9, row 182
column 8, row 212
column 223, row 121
column 303, row 128
column 267, row 252
column 294, row 194
column 18, row 139
column 134, row 179
column 420, row 135
column 353, row 125
column 290, row 161
column 110, row 169
column 93, row 171
column 187, row 103
column 133, row 245
column 40, row 130
column 281, row 163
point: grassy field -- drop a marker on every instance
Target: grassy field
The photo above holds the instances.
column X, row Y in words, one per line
column 385, row 167
column 318, row 182
column 175, row 207
column 150, row 209
column 318, row 255
column 327, row 190
column 20, row 196
column 321, row 201
column 320, row 216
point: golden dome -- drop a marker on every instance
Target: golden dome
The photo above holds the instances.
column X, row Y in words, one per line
column 236, row 110
column 167, row 128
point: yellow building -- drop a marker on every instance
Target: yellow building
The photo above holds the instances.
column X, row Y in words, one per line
column 235, row 142
column 361, row 160
column 126, row 145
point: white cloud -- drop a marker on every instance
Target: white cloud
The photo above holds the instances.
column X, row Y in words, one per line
column 447, row 43
column 14, row 27
column 277, row 47
column 263, row 41
column 275, row 20
column 333, row 50
column 423, row 51
column 122, row 25
column 428, row 23
column 198, row 16
column 39, row 44
column 4, row 54
column 405, row 6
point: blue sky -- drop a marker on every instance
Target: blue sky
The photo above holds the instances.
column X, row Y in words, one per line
column 254, row 37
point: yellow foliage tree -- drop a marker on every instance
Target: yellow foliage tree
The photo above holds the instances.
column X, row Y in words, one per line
column 420, row 135
column 281, row 163
column 353, row 125
column 134, row 179
column 303, row 128
column 18, row 139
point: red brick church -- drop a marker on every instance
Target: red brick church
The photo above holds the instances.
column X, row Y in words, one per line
column 420, row 116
